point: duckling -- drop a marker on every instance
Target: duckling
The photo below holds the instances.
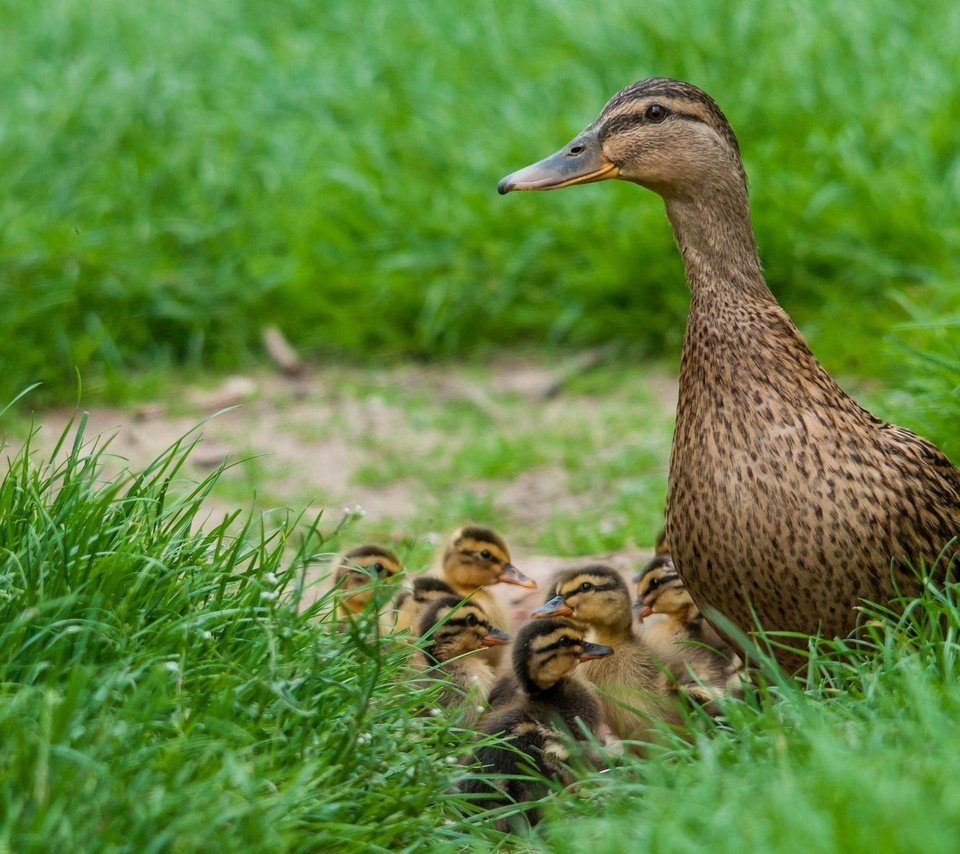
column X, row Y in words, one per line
column 696, row 655
column 365, row 572
column 551, row 704
column 787, row 502
column 634, row 690
column 453, row 629
column 410, row 605
column 475, row 558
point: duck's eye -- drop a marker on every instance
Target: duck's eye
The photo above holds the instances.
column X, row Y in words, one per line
column 586, row 587
column 376, row 568
column 655, row 583
column 575, row 149
column 564, row 641
column 471, row 619
column 655, row 113
column 485, row 554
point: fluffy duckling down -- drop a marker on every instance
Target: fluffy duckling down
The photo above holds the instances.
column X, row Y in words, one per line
column 474, row 559
column 453, row 631
column 634, row 691
column 698, row 658
column 551, row 711
column 366, row 574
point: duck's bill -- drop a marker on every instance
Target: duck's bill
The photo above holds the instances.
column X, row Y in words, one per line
column 512, row 575
column 643, row 611
column 581, row 161
column 594, row 650
column 556, row 607
column 494, row 637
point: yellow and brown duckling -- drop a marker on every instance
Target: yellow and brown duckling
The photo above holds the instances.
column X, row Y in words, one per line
column 681, row 638
column 787, row 502
column 411, row 604
column 634, row 690
column 366, row 572
column 551, row 708
column 453, row 630
column 475, row 558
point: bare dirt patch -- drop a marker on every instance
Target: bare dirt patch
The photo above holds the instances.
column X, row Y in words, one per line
column 314, row 440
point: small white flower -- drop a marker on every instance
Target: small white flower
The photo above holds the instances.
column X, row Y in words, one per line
column 480, row 710
column 435, row 712
column 172, row 666
column 451, row 760
column 356, row 512
column 270, row 578
column 268, row 595
column 206, row 635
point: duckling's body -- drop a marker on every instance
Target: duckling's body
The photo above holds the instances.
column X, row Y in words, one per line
column 475, row 558
column 681, row 638
column 551, row 705
column 784, row 496
column 456, row 629
column 366, row 572
column 633, row 690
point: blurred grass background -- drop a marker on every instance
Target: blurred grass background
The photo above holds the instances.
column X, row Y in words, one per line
column 176, row 175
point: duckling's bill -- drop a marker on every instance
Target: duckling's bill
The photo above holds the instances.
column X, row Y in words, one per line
column 581, row 161
column 494, row 637
column 591, row 651
column 512, row 575
column 556, row 607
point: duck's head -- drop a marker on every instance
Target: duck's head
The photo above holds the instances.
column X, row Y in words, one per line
column 457, row 628
column 545, row 651
column 477, row 557
column 594, row 595
column 363, row 571
column 664, row 134
column 660, row 590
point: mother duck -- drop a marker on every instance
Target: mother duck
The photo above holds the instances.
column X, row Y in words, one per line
column 786, row 499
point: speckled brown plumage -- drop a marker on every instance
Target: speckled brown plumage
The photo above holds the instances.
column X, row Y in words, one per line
column 784, row 495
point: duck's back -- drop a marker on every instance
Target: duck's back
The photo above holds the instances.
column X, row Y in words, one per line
column 782, row 489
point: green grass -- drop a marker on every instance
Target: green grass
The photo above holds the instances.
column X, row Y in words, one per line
column 178, row 175
column 159, row 690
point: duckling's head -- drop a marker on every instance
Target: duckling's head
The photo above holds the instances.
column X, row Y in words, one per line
column 664, row 134
column 545, row 651
column 363, row 571
column 594, row 595
column 423, row 590
column 461, row 627
column 660, row 590
column 477, row 557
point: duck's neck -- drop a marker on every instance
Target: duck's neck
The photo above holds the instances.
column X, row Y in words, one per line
column 716, row 240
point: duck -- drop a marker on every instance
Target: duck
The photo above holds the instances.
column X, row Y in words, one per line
column 551, row 707
column 364, row 573
column 634, row 690
column 454, row 629
column 412, row 603
column 475, row 558
column 694, row 652
column 788, row 503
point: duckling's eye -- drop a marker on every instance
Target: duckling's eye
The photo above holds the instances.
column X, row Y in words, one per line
column 376, row 568
column 586, row 587
column 564, row 641
column 655, row 113
column 471, row 619
column 655, row 583
column 485, row 554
